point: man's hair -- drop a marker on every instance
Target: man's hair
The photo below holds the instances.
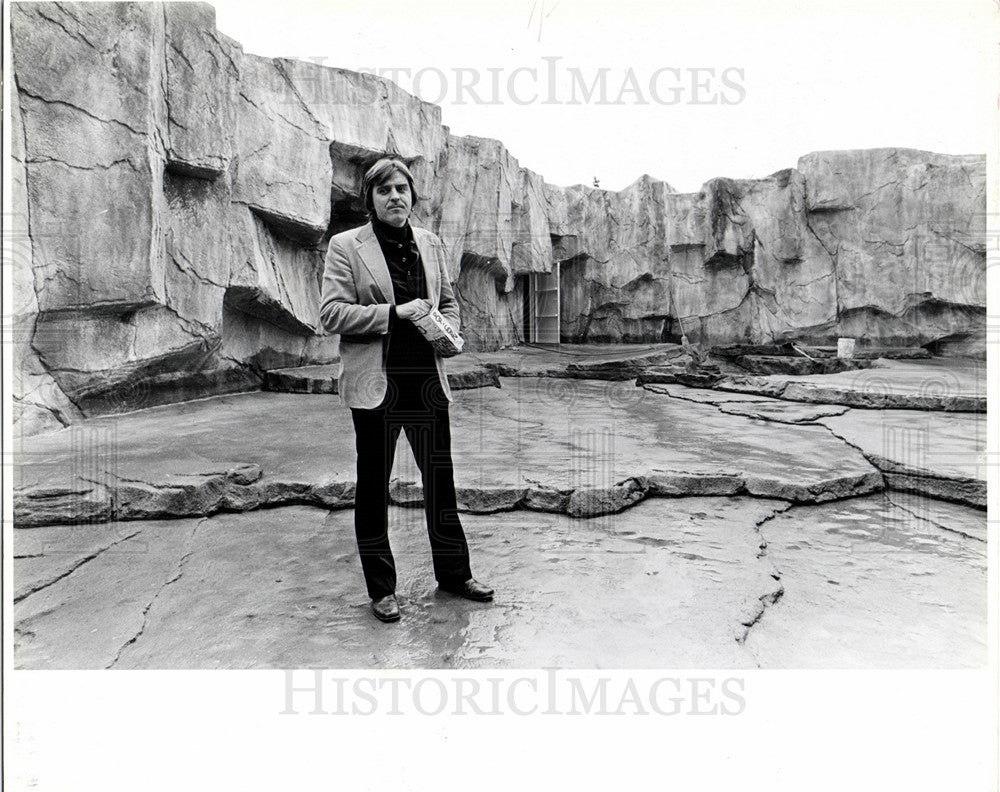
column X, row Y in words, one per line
column 379, row 173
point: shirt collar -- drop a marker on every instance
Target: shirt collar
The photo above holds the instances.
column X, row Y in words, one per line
column 392, row 233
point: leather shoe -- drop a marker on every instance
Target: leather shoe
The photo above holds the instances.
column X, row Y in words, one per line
column 386, row 609
column 471, row 589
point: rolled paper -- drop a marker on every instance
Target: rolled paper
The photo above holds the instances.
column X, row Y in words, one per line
column 439, row 332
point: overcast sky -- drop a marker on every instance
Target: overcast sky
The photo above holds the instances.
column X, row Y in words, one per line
column 691, row 90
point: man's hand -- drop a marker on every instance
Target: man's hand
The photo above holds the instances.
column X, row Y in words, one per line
column 412, row 310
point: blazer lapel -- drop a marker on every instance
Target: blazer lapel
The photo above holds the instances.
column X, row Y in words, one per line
column 430, row 266
column 371, row 256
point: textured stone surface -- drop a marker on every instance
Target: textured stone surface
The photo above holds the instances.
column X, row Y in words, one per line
column 81, row 501
column 583, row 448
column 201, row 86
column 942, row 455
column 908, row 267
column 693, row 377
column 124, row 577
column 39, row 403
column 307, row 379
column 772, row 364
column 935, row 453
column 615, row 276
column 46, row 555
column 783, row 411
column 950, row 385
column 181, row 192
column 463, row 373
column 954, row 517
column 287, row 591
column 867, row 584
column 618, row 465
column 627, row 369
column 87, row 78
column 604, row 443
column 284, row 161
column 575, row 361
column 705, row 396
column 548, row 443
column 697, row 582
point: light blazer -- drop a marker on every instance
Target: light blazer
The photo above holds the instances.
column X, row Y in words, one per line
column 357, row 293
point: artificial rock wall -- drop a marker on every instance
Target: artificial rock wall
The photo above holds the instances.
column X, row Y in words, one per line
column 173, row 197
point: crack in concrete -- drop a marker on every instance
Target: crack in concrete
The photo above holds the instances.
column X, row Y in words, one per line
column 718, row 406
column 110, row 474
column 762, row 550
column 735, row 407
column 887, row 469
column 179, row 572
column 936, row 524
column 214, row 35
column 71, row 570
column 768, row 598
column 654, row 387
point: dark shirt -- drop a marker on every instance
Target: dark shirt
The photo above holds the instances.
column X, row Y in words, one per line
column 409, row 352
column 403, row 259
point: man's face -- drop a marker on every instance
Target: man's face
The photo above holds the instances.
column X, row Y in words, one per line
column 392, row 200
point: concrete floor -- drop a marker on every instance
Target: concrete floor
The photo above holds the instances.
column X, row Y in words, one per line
column 622, row 527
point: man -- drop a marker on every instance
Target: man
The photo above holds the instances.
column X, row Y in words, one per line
column 378, row 279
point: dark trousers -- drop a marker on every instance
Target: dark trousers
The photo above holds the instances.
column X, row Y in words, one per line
column 416, row 405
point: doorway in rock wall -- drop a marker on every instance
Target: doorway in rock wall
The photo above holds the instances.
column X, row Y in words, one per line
column 523, row 290
column 540, row 312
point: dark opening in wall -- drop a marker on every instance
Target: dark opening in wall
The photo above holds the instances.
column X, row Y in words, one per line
column 545, row 307
column 522, row 288
column 345, row 212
